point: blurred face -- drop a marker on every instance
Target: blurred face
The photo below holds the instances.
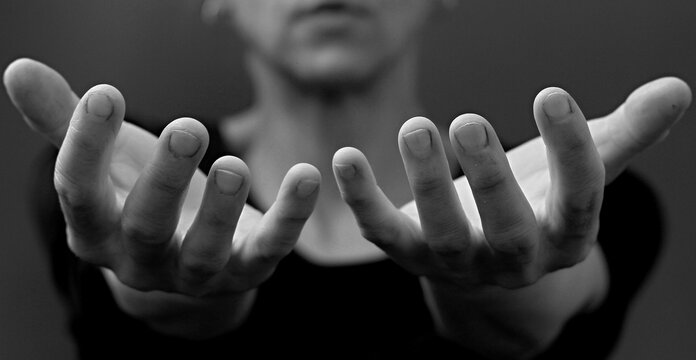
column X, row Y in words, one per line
column 330, row 41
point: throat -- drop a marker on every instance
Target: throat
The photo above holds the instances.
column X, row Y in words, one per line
column 332, row 238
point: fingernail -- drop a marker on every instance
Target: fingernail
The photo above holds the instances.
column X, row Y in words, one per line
column 228, row 182
column 472, row 136
column 306, row 187
column 419, row 142
column 557, row 105
column 99, row 105
column 346, row 171
column 183, row 144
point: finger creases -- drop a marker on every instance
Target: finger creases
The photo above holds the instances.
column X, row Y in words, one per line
column 576, row 171
column 280, row 227
column 379, row 220
column 81, row 175
column 207, row 245
column 507, row 218
column 151, row 210
column 86, row 154
column 441, row 215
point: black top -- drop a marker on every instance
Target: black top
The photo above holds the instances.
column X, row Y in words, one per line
column 373, row 310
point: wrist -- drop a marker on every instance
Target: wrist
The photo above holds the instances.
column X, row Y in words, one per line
column 517, row 323
column 179, row 315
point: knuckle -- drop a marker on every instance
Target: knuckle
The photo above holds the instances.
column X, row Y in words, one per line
column 74, row 196
column 428, row 186
column 270, row 254
column 85, row 250
column 136, row 230
column 354, row 200
column 83, row 142
column 575, row 147
column 202, row 266
column 579, row 164
column 382, row 233
column 517, row 241
column 572, row 252
column 81, row 210
column 167, row 184
column 218, row 221
column 581, row 218
column 517, row 279
column 519, row 251
column 147, row 243
column 489, row 182
column 269, row 249
column 447, row 247
column 290, row 217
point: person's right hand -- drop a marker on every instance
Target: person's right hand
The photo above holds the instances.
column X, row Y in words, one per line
column 180, row 251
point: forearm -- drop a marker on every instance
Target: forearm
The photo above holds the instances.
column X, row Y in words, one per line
column 517, row 324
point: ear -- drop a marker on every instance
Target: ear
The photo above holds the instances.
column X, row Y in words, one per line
column 213, row 11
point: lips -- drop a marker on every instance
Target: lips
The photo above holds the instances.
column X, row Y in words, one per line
column 333, row 7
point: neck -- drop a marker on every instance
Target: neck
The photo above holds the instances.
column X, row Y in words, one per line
column 314, row 122
column 329, row 117
column 293, row 123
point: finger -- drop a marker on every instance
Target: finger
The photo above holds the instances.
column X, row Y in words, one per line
column 442, row 218
column 280, row 227
column 42, row 96
column 82, row 170
column 576, row 172
column 151, row 211
column 206, row 248
column 379, row 220
column 508, row 221
column 641, row 121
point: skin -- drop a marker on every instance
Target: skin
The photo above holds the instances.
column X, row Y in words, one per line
column 326, row 50
column 509, row 246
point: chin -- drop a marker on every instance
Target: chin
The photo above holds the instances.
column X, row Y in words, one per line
column 334, row 69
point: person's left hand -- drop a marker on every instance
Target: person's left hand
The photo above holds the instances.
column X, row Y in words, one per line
column 481, row 243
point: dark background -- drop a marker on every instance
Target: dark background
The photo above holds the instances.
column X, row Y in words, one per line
column 488, row 56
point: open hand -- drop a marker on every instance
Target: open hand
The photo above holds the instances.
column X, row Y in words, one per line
column 484, row 242
column 173, row 242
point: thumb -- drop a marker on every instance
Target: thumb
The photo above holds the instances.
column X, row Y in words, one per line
column 651, row 110
column 643, row 120
column 42, row 96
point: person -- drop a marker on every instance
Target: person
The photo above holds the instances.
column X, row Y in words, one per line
column 399, row 256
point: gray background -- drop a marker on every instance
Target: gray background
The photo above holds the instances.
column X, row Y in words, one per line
column 488, row 56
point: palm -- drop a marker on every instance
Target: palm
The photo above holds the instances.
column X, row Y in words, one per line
column 529, row 165
column 530, row 168
column 133, row 150
column 529, row 211
column 138, row 205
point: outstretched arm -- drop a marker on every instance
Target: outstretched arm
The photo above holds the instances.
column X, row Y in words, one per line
column 508, row 254
column 179, row 250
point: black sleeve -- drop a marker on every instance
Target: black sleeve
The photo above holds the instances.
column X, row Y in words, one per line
column 100, row 330
column 630, row 235
column 631, row 238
